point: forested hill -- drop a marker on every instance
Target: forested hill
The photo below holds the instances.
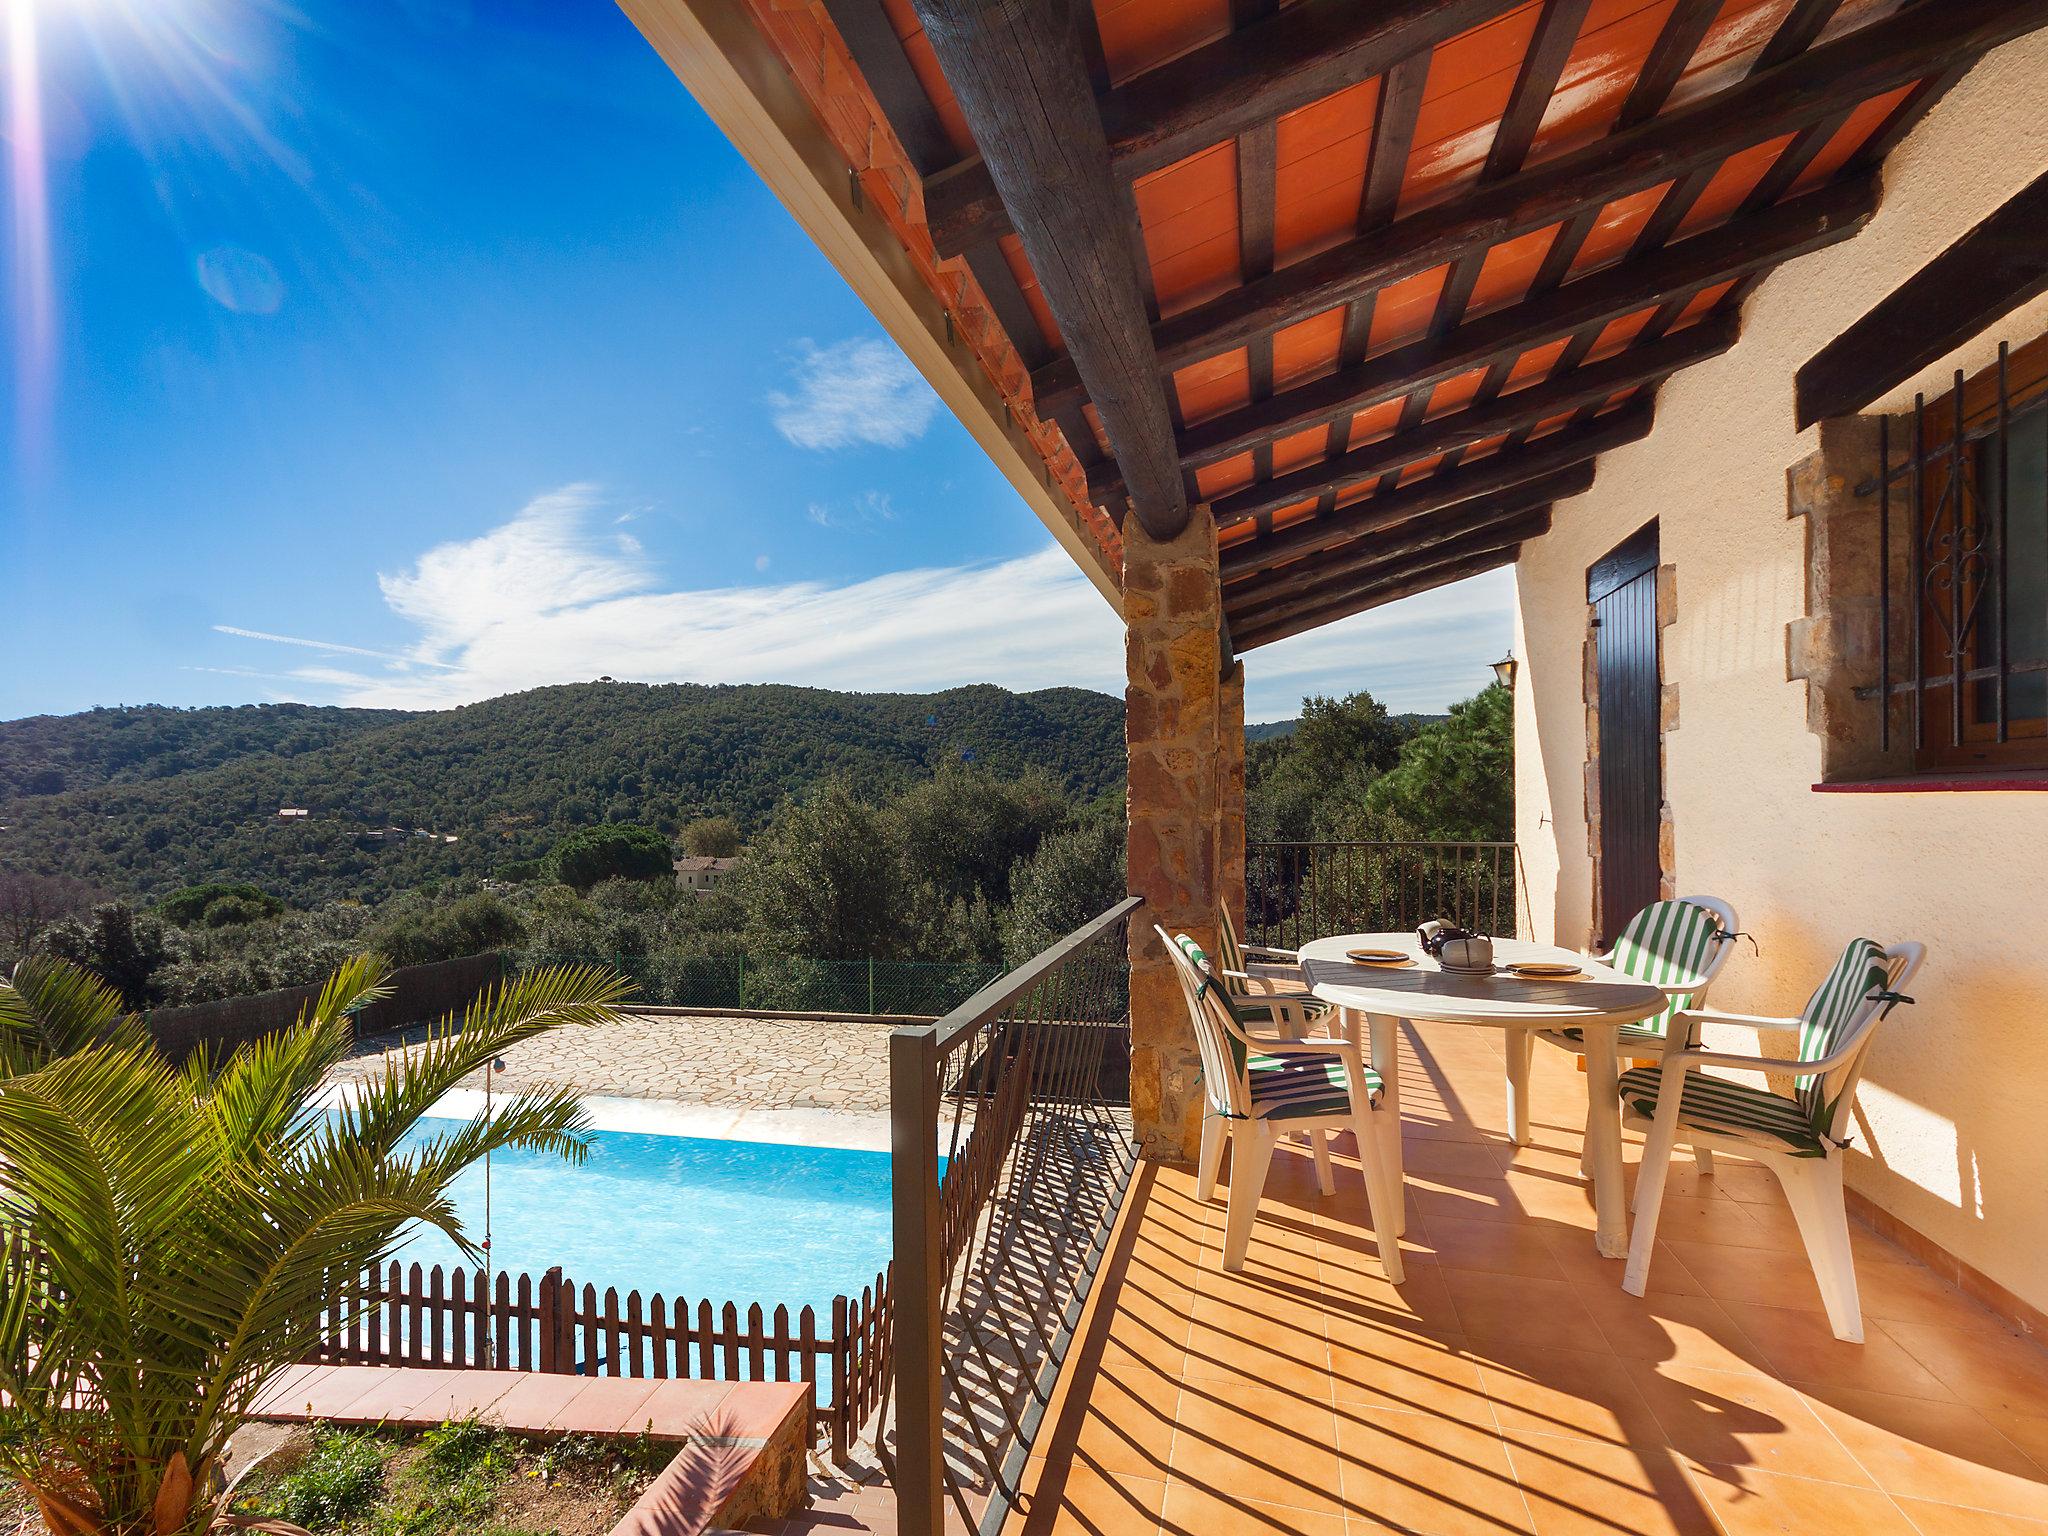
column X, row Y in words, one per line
column 504, row 779
column 48, row 754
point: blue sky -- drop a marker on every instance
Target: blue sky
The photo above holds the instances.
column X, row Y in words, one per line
column 412, row 351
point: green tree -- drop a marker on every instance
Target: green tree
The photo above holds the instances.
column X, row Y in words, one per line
column 195, row 905
column 825, row 879
column 1456, row 779
column 194, row 1220
column 712, row 837
column 1297, row 785
column 469, row 925
column 613, row 851
column 1076, row 874
column 121, row 946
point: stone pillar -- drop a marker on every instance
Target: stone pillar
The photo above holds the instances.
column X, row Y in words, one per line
column 1230, row 794
column 1173, row 660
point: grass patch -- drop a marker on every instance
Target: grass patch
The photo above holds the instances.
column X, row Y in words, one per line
column 459, row 1479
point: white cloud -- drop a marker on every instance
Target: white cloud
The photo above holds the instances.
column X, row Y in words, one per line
column 851, row 393
column 554, row 596
column 865, row 511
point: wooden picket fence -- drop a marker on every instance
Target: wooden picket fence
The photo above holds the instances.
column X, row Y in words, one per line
column 474, row 1319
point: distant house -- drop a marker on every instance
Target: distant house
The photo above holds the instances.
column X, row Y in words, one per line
column 293, row 811
column 695, row 872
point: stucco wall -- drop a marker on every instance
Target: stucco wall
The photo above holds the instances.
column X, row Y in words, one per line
column 1951, row 1135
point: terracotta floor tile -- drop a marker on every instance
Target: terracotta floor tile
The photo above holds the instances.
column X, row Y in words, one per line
column 1750, row 1502
column 1946, row 1452
column 1280, row 1346
column 1952, row 1520
column 292, row 1390
column 1729, row 1223
column 1076, row 1496
column 472, row 1395
column 1406, row 1372
column 1800, row 1348
column 1473, row 1159
column 1575, row 1393
column 1196, row 1509
column 606, row 1405
column 394, row 1396
column 1998, row 1372
column 1422, row 1300
column 1576, row 1489
column 1778, row 1224
column 1257, row 1444
column 1411, row 1473
column 1913, row 1293
column 1507, row 1248
column 1734, row 1274
column 2028, row 1431
column 1123, row 1427
column 1586, row 1267
column 1734, row 1418
column 1681, row 1330
column 1519, row 1312
column 1465, row 1197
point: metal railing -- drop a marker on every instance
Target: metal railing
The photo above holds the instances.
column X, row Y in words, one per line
column 1295, row 892
column 792, row 983
column 1024, row 1091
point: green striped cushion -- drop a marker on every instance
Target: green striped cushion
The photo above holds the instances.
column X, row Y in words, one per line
column 1716, row 1104
column 1666, row 942
column 1303, row 1087
column 1825, row 1020
column 1247, row 1006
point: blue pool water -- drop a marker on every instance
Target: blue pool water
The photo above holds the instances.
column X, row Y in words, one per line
column 682, row 1216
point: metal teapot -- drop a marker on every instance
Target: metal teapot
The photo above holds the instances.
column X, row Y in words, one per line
column 1455, row 948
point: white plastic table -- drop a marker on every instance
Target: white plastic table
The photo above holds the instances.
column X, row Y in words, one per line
column 1598, row 1002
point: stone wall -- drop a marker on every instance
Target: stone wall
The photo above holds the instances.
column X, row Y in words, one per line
column 1173, row 705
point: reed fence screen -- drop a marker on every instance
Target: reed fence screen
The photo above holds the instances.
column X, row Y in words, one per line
column 406, row 1315
column 920, row 989
column 1296, row 892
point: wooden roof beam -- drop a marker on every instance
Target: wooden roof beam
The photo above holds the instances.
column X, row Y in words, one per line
column 1991, row 271
column 1493, row 475
column 1020, row 77
column 1767, row 104
column 1415, row 537
column 1808, row 223
column 1588, row 385
column 1409, row 583
column 1530, row 522
column 1221, row 90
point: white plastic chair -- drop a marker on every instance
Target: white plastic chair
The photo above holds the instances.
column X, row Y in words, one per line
column 1667, row 943
column 1800, row 1138
column 1258, row 1086
column 1257, row 970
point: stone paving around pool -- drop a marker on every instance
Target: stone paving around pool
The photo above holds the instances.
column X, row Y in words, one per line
column 741, row 1064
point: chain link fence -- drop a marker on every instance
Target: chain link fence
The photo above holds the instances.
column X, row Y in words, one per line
column 793, row 983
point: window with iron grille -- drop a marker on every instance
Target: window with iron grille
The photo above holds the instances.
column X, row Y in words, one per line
column 1964, row 619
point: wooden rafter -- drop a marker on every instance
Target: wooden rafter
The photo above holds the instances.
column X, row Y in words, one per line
column 1409, row 583
column 1588, row 385
column 1832, row 77
column 1805, row 224
column 1996, row 267
column 1222, row 90
column 1495, row 474
column 1020, row 77
column 1542, row 65
column 1529, row 522
column 1406, row 541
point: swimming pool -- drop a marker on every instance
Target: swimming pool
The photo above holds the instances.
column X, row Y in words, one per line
column 682, row 1216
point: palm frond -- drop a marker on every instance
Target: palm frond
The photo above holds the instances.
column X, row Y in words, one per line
column 52, row 1008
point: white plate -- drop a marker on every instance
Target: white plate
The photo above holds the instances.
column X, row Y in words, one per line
column 1550, row 970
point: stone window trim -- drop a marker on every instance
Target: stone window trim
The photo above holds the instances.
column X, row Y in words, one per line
column 1667, row 722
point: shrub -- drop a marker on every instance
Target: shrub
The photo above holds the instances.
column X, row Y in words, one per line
column 121, row 946
column 217, row 904
column 610, row 852
column 341, row 1480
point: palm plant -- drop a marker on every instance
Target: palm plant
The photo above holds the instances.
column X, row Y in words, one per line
column 173, row 1233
